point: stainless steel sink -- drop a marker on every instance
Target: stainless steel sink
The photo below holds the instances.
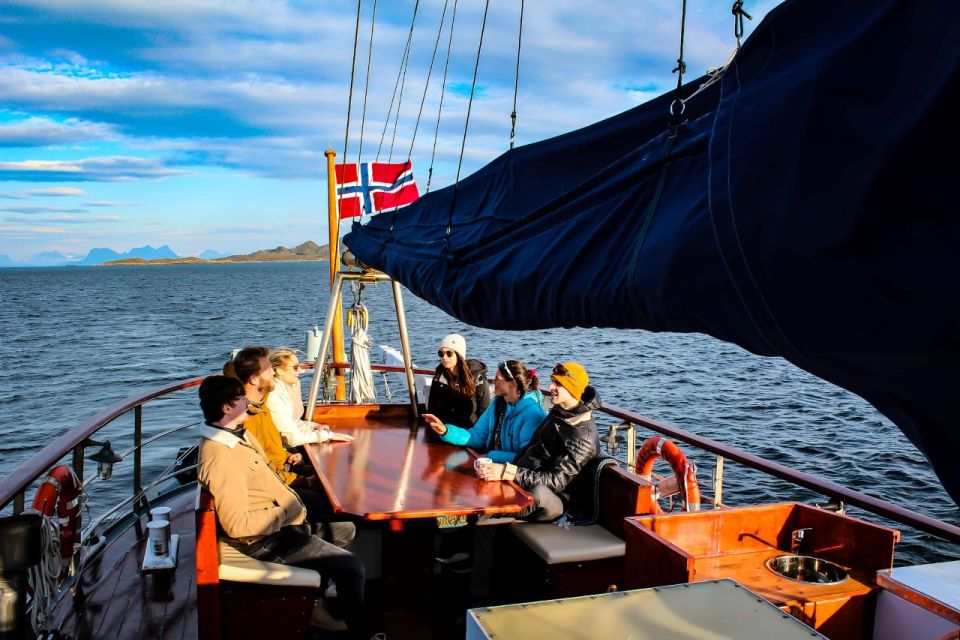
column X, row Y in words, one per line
column 807, row 569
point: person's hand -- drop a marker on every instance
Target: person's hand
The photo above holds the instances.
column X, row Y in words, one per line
column 295, row 459
column 317, row 426
column 491, row 471
column 435, row 423
column 339, row 437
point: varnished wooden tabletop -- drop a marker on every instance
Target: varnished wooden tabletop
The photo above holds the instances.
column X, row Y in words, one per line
column 396, row 468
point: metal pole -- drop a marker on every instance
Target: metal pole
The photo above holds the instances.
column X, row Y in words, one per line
column 333, row 219
column 324, row 345
column 137, row 443
column 632, row 447
column 405, row 345
column 18, row 503
column 78, row 469
column 718, row 482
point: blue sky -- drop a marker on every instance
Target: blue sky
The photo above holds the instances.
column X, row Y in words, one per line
column 202, row 124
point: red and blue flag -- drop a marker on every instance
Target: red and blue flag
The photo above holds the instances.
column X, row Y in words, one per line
column 370, row 187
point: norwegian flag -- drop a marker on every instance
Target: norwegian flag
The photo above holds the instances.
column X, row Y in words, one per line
column 374, row 186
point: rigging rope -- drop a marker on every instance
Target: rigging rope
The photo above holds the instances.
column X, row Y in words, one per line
column 45, row 575
column 443, row 90
column 738, row 15
column 366, row 84
column 433, row 59
column 353, row 69
column 681, row 66
column 466, row 126
column 401, row 72
column 516, row 82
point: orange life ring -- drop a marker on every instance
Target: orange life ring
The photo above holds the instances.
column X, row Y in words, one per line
column 686, row 472
column 60, row 493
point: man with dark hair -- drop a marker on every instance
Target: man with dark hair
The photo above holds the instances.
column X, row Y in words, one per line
column 262, row 517
column 564, row 442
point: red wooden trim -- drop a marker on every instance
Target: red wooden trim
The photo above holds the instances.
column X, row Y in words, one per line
column 825, row 487
column 208, row 567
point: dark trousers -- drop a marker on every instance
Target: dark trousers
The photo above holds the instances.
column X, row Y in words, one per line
column 299, row 546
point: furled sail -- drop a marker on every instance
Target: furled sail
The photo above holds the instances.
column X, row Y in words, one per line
column 805, row 207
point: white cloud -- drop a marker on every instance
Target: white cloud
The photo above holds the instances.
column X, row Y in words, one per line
column 42, row 131
column 66, row 218
column 106, row 169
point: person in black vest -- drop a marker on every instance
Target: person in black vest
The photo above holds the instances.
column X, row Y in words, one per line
column 459, row 393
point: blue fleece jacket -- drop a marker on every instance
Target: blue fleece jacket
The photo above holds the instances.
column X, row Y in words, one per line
column 519, row 423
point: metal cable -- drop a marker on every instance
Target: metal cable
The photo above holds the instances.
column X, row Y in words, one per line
column 443, row 90
column 681, row 67
column 466, row 126
column 346, row 134
column 433, row 59
column 516, row 82
column 366, row 92
column 738, row 15
column 396, row 84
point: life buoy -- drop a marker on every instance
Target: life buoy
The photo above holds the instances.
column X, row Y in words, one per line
column 60, row 493
column 686, row 472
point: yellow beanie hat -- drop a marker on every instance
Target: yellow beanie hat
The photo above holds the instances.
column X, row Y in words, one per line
column 572, row 377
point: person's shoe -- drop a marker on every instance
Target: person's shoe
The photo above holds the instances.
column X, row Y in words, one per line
column 322, row 619
column 460, row 556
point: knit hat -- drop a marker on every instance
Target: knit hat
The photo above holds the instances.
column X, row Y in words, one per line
column 455, row 342
column 572, row 377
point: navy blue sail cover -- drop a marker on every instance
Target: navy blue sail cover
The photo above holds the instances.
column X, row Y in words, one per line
column 806, row 207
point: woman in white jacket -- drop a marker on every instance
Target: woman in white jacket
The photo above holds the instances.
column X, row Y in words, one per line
column 286, row 404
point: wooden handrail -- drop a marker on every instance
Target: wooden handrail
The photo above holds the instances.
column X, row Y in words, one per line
column 24, row 475
column 820, row 485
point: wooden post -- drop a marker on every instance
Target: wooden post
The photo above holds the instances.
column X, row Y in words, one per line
column 334, row 224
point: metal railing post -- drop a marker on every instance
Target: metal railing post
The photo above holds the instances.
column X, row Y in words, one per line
column 137, row 441
column 335, row 295
column 405, row 346
column 78, row 469
column 718, row 482
column 18, row 503
column 631, row 446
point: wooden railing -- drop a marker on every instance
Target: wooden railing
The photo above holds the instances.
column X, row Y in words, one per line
column 13, row 486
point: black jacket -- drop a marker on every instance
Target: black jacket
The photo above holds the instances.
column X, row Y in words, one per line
column 564, row 442
column 453, row 408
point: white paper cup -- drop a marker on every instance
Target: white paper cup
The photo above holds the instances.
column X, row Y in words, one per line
column 160, row 513
column 158, row 532
column 480, row 461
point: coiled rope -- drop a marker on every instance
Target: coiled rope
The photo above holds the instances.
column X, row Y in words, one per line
column 44, row 576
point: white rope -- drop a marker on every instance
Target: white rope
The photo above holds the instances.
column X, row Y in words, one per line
column 361, row 380
column 45, row 575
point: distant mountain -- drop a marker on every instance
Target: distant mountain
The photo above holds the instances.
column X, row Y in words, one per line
column 102, row 254
column 210, row 254
column 308, row 251
column 45, row 259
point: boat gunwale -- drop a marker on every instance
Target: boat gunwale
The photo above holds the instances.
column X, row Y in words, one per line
column 18, row 480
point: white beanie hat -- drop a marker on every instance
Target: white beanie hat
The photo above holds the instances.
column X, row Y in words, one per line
column 455, row 342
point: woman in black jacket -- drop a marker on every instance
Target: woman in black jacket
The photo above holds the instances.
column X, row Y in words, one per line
column 459, row 392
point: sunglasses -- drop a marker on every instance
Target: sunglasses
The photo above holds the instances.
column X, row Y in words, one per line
column 560, row 370
column 505, row 371
column 445, row 354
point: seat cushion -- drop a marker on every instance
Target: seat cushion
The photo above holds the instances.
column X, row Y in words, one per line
column 556, row 545
column 236, row 567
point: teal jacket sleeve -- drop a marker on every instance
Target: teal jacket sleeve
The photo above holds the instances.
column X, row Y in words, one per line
column 475, row 437
column 519, row 427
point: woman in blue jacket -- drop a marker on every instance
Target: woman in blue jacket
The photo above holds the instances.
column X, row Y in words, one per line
column 507, row 425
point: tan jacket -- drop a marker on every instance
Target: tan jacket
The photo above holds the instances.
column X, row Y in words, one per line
column 251, row 500
column 260, row 424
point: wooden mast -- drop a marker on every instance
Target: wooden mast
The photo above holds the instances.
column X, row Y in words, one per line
column 333, row 215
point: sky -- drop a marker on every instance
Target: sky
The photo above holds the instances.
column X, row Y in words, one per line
column 202, row 124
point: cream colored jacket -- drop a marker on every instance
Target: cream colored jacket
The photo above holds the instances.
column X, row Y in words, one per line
column 250, row 499
column 286, row 407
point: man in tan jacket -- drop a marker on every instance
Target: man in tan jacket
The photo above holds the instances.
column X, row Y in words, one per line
column 263, row 517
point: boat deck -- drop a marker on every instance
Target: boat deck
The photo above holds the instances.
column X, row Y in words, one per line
column 113, row 598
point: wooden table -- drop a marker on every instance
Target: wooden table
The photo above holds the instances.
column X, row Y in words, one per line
column 396, row 469
column 397, row 476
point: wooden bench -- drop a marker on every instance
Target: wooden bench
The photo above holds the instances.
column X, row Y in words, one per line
column 238, row 596
column 542, row 560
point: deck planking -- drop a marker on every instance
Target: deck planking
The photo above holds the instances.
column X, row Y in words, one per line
column 113, row 598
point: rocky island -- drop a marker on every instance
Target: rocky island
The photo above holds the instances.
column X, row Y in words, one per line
column 309, row 251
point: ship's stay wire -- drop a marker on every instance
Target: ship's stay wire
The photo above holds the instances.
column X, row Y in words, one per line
column 401, row 73
column 443, row 90
column 353, row 69
column 466, row 127
column 366, row 92
column 516, row 81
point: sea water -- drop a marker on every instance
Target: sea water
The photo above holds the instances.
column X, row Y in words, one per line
column 77, row 339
